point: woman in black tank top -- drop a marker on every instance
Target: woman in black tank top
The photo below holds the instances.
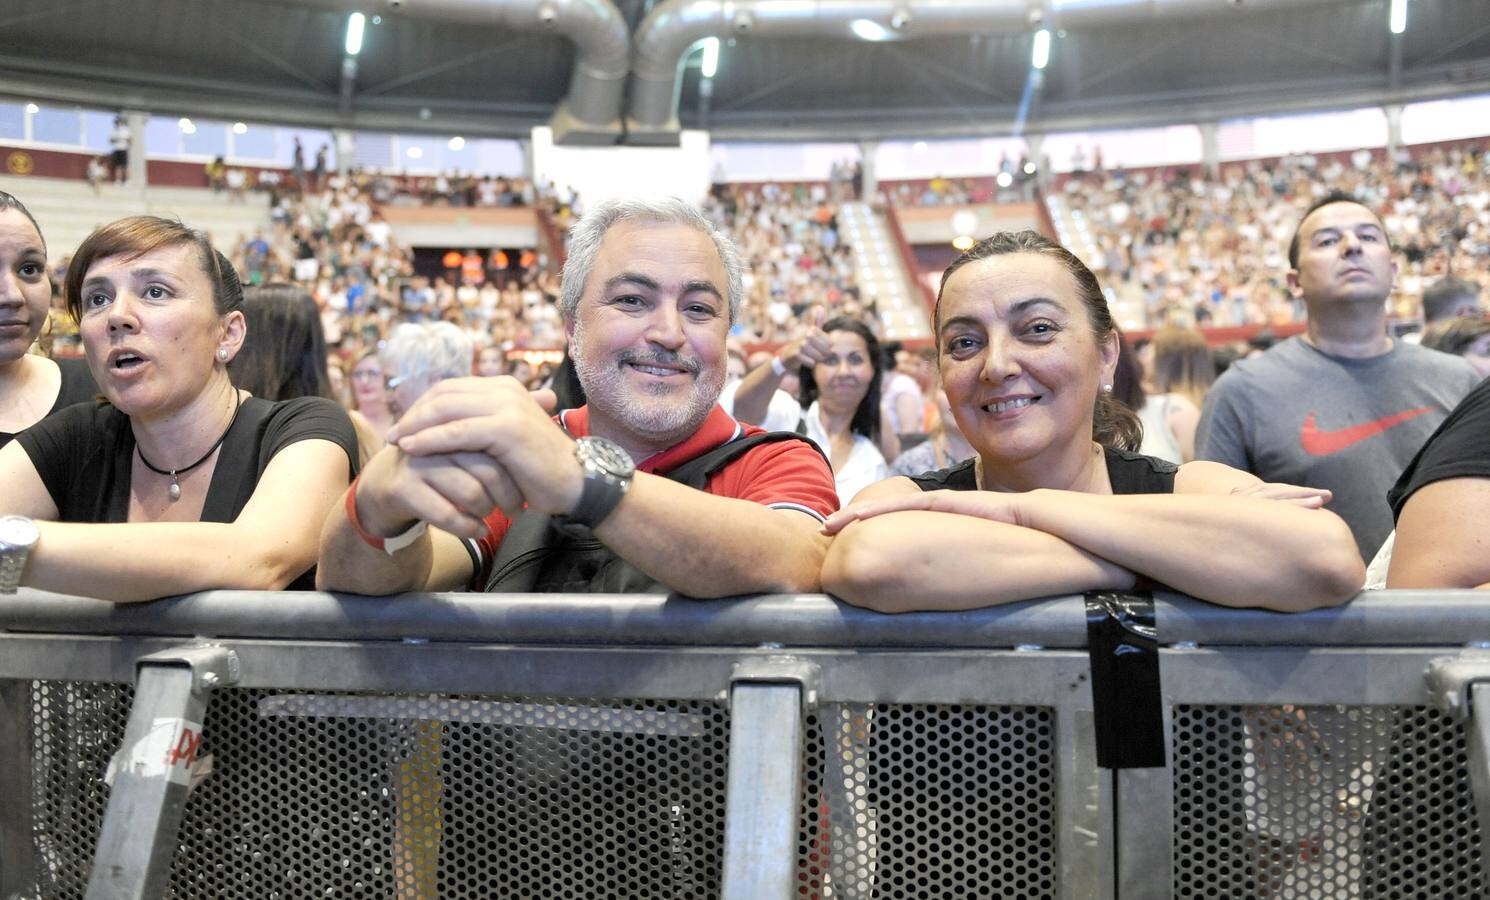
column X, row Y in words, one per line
column 1056, row 500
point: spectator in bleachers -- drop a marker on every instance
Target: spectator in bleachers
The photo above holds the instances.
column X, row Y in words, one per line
column 1196, row 248
column 1343, row 407
column 98, row 170
column 369, row 396
column 903, row 407
column 418, row 356
column 119, row 139
column 32, row 385
column 795, row 258
column 842, row 397
column 284, row 357
column 1450, row 297
column 489, row 362
column 217, row 174
column 1179, row 370
column 944, row 446
column 200, row 486
column 649, row 292
column 1462, row 336
column 1056, row 500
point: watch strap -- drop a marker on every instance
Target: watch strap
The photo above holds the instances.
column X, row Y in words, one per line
column 599, row 497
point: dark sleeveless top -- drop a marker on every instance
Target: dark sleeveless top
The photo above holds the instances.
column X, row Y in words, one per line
column 1130, row 473
column 77, row 387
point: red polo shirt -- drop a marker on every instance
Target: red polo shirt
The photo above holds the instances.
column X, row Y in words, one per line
column 781, row 474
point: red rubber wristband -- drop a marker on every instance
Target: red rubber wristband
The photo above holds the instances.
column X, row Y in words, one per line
column 371, row 540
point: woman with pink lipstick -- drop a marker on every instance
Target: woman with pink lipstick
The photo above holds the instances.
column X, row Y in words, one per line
column 1055, row 500
column 843, row 413
column 32, row 386
column 176, row 481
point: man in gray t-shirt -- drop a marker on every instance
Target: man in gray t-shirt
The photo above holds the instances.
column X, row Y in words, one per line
column 1342, row 407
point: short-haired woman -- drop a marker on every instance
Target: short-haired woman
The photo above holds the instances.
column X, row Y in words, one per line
column 177, row 481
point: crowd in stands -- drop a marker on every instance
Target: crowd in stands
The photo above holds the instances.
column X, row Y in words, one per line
column 1212, row 251
column 797, row 260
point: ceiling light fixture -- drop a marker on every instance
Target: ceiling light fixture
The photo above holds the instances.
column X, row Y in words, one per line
column 457, row 143
column 869, row 30
column 710, row 63
column 356, row 23
column 1041, row 56
column 1398, row 21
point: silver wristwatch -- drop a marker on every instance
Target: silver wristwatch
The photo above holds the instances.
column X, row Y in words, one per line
column 18, row 535
column 608, row 473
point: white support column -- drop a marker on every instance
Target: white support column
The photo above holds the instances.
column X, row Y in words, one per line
column 1036, row 145
column 870, row 179
column 1210, row 147
column 1394, row 128
column 344, row 142
column 136, row 120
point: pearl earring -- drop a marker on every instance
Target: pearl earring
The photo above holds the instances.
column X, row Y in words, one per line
column 222, row 354
column 1106, row 388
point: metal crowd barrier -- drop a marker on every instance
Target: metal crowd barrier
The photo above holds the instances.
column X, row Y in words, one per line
column 243, row 745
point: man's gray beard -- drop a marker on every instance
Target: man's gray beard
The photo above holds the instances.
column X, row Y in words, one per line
column 605, row 391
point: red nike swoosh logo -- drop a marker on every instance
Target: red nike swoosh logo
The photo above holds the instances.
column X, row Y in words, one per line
column 1317, row 442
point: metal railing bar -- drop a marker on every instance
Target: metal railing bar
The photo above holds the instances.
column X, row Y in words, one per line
column 1380, row 618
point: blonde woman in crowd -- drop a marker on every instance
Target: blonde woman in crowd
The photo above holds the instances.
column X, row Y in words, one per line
column 1178, row 370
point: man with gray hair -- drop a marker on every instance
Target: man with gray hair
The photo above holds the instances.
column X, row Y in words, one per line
column 419, row 355
column 650, row 485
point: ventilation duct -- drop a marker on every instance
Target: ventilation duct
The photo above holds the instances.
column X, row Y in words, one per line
column 674, row 26
column 591, row 112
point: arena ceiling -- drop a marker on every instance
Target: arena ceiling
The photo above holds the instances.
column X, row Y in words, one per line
column 788, row 69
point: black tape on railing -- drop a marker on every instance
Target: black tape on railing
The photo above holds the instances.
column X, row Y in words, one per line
column 1123, row 644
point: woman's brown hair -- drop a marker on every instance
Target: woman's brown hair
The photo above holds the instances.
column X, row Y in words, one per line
column 1183, row 364
column 1113, row 424
column 137, row 235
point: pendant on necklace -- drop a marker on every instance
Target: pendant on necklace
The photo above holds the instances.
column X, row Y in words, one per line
column 175, row 489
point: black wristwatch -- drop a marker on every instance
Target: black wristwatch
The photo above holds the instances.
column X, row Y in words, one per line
column 608, row 472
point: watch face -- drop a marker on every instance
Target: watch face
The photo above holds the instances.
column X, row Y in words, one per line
column 606, row 456
column 18, row 531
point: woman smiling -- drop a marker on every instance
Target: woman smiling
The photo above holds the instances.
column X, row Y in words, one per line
column 177, row 481
column 842, row 391
column 1055, row 500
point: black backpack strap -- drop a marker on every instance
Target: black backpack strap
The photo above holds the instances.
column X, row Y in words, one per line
column 696, row 472
column 534, row 544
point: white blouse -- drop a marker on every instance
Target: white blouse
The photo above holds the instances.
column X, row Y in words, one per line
column 865, row 464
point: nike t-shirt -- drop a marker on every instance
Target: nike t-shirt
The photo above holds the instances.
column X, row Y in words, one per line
column 1298, row 415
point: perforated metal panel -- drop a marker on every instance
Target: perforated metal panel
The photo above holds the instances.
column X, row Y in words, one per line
column 1323, row 802
column 929, row 802
column 354, row 796
column 75, row 730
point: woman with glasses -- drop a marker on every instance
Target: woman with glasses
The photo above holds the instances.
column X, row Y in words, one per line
column 370, row 397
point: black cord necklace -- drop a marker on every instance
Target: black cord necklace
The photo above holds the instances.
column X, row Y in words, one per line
column 175, row 489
